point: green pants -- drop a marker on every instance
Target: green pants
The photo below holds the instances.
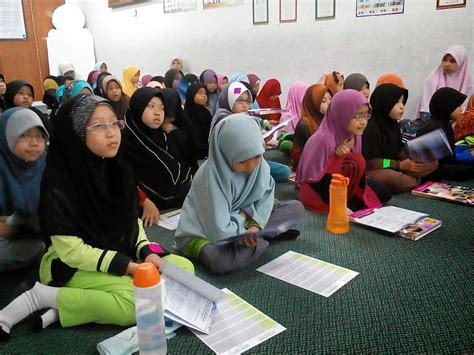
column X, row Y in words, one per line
column 95, row 297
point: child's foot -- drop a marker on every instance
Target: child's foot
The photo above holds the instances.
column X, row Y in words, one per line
column 288, row 235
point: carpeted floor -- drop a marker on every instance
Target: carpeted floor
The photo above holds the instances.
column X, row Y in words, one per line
column 410, row 297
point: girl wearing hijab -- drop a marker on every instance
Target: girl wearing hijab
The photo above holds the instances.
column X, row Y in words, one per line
column 236, row 98
column 268, row 98
column 335, row 148
column 464, row 127
column 390, row 78
column 445, row 107
column 453, row 72
column 209, row 78
column 23, row 140
column 173, row 78
column 20, row 93
column 233, row 193
column 222, row 81
column 92, row 78
column 67, row 70
column 357, row 82
column 88, row 208
column 387, row 162
column 293, row 105
column 50, row 85
column 130, row 80
column 100, row 77
column 177, row 63
column 200, row 117
column 146, row 79
column 112, row 90
column 254, row 82
column 101, row 67
column 314, row 107
column 237, row 76
column 178, row 129
column 3, row 89
column 334, row 82
column 72, row 89
column 164, row 179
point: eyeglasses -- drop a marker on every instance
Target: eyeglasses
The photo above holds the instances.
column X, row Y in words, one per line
column 102, row 127
column 31, row 137
column 367, row 117
column 243, row 101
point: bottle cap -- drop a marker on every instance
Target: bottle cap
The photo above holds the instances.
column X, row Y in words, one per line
column 339, row 180
column 146, row 275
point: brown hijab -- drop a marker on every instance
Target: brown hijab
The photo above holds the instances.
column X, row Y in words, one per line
column 332, row 80
column 312, row 99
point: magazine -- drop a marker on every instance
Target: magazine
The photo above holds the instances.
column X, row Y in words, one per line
column 441, row 191
column 399, row 221
column 428, row 147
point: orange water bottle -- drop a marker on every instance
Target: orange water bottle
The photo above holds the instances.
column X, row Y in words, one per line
column 338, row 221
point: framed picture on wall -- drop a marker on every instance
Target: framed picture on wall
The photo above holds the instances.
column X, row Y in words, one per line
column 288, row 12
column 325, row 9
column 260, row 12
column 449, row 4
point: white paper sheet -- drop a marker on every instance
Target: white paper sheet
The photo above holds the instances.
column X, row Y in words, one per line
column 287, row 10
column 309, row 273
column 170, row 220
column 12, row 22
column 238, row 326
column 325, row 8
column 390, row 218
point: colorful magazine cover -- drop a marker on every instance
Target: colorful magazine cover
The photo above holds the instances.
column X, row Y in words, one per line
column 442, row 191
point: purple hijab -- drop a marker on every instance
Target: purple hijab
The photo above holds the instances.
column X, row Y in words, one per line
column 207, row 75
column 460, row 80
column 293, row 105
column 332, row 131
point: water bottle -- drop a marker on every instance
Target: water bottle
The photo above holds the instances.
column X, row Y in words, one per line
column 338, row 221
column 149, row 289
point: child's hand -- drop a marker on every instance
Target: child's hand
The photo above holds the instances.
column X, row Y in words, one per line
column 167, row 127
column 5, row 229
column 131, row 268
column 345, row 147
column 151, row 214
column 155, row 260
column 412, row 166
column 251, row 241
column 244, row 214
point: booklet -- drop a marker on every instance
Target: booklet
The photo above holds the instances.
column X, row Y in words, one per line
column 190, row 300
column 399, row 221
column 170, row 220
column 274, row 129
column 440, row 191
column 428, row 147
column 265, row 111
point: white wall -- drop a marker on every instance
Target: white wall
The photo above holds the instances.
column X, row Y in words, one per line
column 410, row 44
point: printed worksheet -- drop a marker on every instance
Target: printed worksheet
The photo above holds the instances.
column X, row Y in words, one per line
column 170, row 220
column 238, row 326
column 309, row 273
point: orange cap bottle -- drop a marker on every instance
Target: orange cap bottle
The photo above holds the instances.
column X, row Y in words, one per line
column 146, row 275
column 338, row 221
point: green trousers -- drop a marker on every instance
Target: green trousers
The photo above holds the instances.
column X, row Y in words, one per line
column 95, row 297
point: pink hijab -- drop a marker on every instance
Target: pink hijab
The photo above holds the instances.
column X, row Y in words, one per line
column 333, row 130
column 293, row 105
column 459, row 80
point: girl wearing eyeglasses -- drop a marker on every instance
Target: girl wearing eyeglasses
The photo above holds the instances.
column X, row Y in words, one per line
column 88, row 210
column 22, row 160
column 335, row 148
column 387, row 162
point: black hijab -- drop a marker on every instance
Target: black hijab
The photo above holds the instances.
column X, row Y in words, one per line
column 12, row 89
column 443, row 102
column 190, row 79
column 170, row 75
column 149, row 153
column 2, row 100
column 200, row 118
column 158, row 78
column 382, row 138
column 98, row 85
column 85, row 195
column 173, row 109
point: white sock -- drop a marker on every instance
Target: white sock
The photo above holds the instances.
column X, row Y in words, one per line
column 39, row 297
column 49, row 317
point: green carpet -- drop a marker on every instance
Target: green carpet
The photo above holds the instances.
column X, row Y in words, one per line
column 410, row 297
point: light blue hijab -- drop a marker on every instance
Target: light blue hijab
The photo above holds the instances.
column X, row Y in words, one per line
column 239, row 77
column 19, row 180
column 211, row 209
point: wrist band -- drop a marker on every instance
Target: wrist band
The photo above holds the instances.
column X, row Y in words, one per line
column 386, row 163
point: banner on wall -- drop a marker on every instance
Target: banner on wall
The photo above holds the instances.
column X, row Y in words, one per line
column 379, row 7
column 12, row 22
column 213, row 4
column 172, row 6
